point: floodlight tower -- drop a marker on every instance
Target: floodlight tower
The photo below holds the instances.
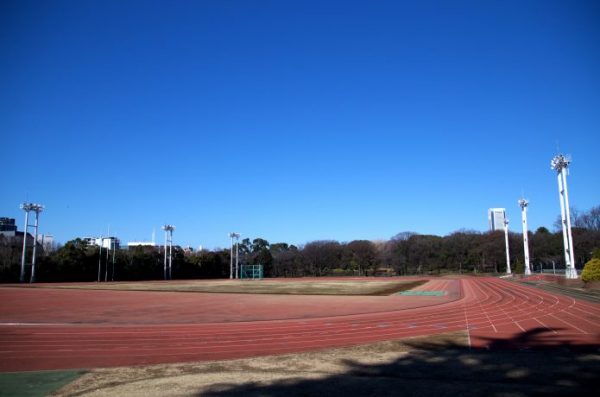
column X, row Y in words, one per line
column 560, row 164
column 100, row 256
column 114, row 243
column 37, row 208
column 233, row 235
column 168, row 244
column 507, row 251
column 523, row 204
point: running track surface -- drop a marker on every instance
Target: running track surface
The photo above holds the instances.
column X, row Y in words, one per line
column 44, row 328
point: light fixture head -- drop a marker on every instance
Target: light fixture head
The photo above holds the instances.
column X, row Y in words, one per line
column 32, row 207
column 559, row 162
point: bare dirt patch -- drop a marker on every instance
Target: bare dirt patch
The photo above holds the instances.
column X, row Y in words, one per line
column 273, row 286
column 441, row 365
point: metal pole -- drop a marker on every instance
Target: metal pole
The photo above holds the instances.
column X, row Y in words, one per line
column 22, row 278
column 231, row 258
column 100, row 257
column 523, row 203
column 107, row 260
column 570, row 272
column 165, row 267
column 37, row 215
column 112, row 278
column 564, row 222
column 237, row 254
column 170, row 252
column 507, row 252
column 560, row 163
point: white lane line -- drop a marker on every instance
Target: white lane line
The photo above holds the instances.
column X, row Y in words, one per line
column 568, row 323
column 545, row 326
column 466, row 321
column 34, row 324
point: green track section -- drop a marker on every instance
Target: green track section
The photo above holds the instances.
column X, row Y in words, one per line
column 35, row 384
column 422, row 293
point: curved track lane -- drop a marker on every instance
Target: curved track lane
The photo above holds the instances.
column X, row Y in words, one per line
column 493, row 312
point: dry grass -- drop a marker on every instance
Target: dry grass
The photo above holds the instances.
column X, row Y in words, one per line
column 276, row 286
column 193, row 379
column 439, row 366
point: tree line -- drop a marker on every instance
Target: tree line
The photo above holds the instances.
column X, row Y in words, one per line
column 406, row 253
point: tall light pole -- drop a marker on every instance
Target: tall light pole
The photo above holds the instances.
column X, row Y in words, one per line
column 37, row 208
column 114, row 244
column 233, row 235
column 100, row 256
column 508, row 271
column 523, row 204
column 560, row 164
column 237, row 255
column 22, row 278
column 168, row 245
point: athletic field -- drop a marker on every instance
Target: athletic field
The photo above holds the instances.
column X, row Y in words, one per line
column 88, row 326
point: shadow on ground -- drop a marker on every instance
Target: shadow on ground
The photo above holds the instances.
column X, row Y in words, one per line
column 448, row 369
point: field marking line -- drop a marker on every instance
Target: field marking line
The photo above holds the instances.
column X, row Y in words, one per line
column 466, row 318
column 485, row 311
column 568, row 323
column 34, row 324
column 545, row 326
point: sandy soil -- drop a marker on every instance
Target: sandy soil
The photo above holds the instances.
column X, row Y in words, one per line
column 271, row 286
column 442, row 366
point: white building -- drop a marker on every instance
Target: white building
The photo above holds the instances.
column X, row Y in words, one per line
column 141, row 244
column 496, row 217
column 105, row 242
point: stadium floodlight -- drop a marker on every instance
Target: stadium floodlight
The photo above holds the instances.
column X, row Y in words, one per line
column 37, row 208
column 508, row 271
column 523, row 204
column 233, row 235
column 560, row 164
column 168, row 244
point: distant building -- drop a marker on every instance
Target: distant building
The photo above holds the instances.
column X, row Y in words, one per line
column 47, row 242
column 8, row 225
column 141, row 244
column 496, row 217
column 105, row 242
column 144, row 243
column 8, row 228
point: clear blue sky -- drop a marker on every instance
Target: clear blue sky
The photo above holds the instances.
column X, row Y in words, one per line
column 295, row 120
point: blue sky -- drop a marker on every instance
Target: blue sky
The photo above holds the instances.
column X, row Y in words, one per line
column 295, row 120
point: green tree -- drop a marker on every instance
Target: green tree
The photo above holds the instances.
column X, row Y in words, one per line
column 591, row 271
column 75, row 261
column 361, row 255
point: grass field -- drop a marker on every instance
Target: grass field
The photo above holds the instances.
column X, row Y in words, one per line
column 35, row 384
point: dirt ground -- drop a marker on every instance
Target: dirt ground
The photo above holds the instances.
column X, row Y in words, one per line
column 442, row 365
column 274, row 286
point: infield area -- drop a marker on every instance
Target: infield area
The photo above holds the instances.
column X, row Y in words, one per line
column 49, row 327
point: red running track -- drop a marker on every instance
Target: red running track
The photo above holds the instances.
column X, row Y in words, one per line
column 44, row 329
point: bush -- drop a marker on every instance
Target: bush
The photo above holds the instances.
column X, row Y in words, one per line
column 519, row 267
column 591, row 271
